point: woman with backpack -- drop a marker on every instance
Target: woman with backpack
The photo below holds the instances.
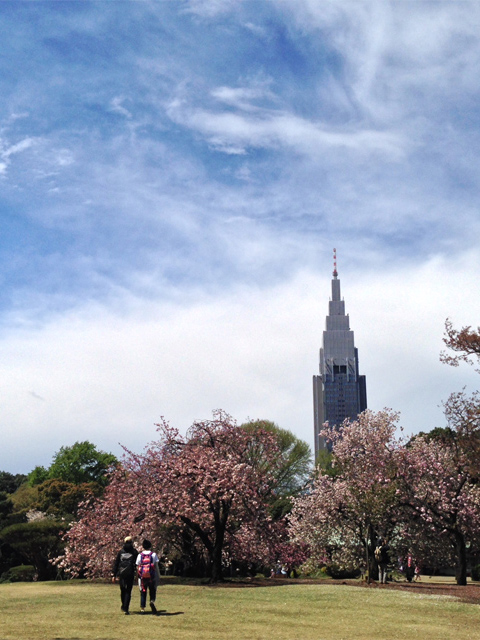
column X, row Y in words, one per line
column 124, row 568
column 148, row 576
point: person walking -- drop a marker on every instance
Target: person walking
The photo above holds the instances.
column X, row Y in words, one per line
column 148, row 576
column 124, row 568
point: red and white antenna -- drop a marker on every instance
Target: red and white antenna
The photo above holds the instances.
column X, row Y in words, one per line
column 335, row 274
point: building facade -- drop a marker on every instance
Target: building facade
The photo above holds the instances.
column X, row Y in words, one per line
column 339, row 392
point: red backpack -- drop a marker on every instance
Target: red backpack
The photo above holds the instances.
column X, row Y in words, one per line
column 146, row 567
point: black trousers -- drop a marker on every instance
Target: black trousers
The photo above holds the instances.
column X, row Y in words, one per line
column 126, row 585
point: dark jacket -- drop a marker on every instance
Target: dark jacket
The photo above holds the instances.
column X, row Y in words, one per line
column 384, row 554
column 128, row 548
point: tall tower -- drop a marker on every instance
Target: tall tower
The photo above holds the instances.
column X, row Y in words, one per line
column 339, row 391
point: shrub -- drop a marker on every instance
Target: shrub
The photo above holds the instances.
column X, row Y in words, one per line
column 36, row 542
column 22, row 573
column 341, row 573
column 476, row 572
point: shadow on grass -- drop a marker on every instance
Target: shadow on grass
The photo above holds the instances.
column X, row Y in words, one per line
column 240, row 583
column 159, row 612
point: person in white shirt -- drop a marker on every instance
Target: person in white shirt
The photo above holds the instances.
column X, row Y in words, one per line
column 148, row 576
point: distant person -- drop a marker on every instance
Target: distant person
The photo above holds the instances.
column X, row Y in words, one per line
column 124, row 568
column 148, row 576
column 417, row 577
column 382, row 556
column 409, row 567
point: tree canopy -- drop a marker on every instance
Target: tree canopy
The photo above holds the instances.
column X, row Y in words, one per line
column 292, row 469
column 424, row 495
column 79, row 463
column 10, row 482
column 223, row 493
column 38, row 542
column 212, row 483
column 344, row 513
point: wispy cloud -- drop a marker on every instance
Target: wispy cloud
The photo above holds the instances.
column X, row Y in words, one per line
column 174, row 177
column 236, row 132
column 8, row 150
column 116, row 105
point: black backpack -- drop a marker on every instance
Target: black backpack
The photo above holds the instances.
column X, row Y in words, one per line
column 126, row 565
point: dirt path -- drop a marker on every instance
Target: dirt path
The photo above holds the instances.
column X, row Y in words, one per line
column 469, row 593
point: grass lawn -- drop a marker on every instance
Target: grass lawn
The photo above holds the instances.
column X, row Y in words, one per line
column 80, row 610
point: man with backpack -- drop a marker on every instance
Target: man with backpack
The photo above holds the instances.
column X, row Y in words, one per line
column 148, row 576
column 124, row 568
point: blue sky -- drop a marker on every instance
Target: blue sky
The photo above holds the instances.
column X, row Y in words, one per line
column 173, row 179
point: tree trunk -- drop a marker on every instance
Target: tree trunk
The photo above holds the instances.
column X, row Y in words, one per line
column 220, row 517
column 461, row 568
column 215, row 547
column 217, row 572
column 370, row 545
column 367, row 559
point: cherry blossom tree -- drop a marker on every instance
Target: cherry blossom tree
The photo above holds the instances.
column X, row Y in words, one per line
column 464, row 343
column 93, row 540
column 439, row 472
column 208, row 481
column 426, row 493
column 344, row 513
column 439, row 494
column 445, row 471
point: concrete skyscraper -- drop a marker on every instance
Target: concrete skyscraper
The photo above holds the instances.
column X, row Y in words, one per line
column 339, row 391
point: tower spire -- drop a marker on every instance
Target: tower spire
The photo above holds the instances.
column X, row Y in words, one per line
column 339, row 392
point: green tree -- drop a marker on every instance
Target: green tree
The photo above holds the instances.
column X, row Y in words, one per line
column 6, row 507
column 293, row 469
column 37, row 543
column 9, row 482
column 445, row 435
column 82, row 462
column 324, row 464
column 24, row 498
column 37, row 476
column 61, row 499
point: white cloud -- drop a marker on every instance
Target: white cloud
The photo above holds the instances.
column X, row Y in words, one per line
column 211, row 8
column 116, row 105
column 393, row 52
column 243, row 97
column 272, row 129
column 8, row 150
column 63, row 157
column 26, row 143
column 399, row 321
column 347, row 123
column 108, row 377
